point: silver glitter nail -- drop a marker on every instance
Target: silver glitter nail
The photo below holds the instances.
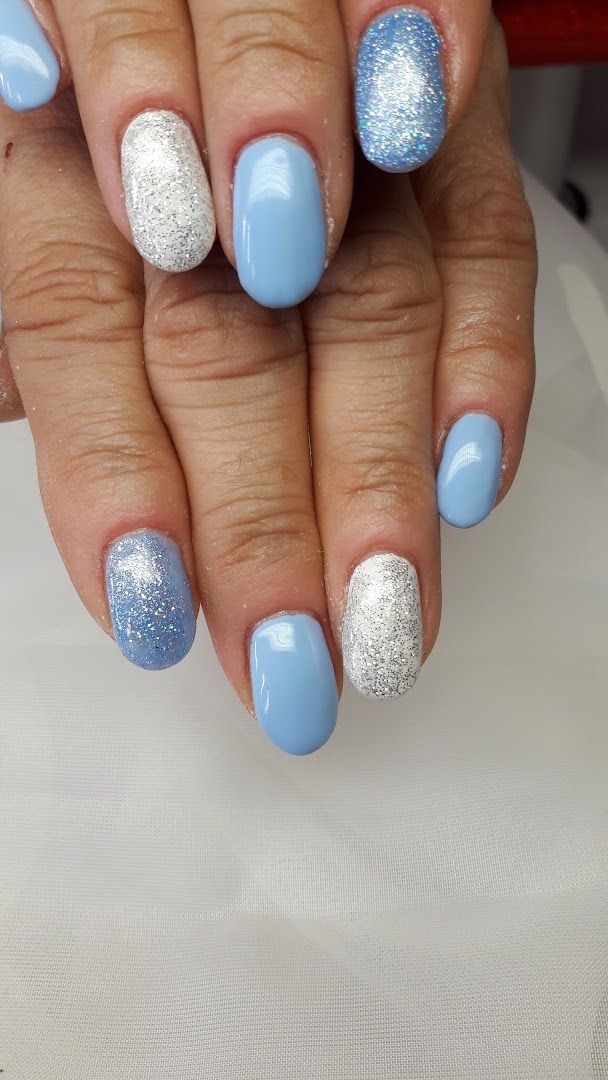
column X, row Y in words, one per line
column 382, row 628
column 167, row 193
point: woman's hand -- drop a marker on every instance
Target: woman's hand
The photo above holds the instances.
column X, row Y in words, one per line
column 266, row 88
column 188, row 417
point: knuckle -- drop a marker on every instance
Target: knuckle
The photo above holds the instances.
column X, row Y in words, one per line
column 73, row 293
column 486, row 214
column 278, row 38
column 112, row 33
column 91, row 452
column 215, row 334
column 210, row 305
column 385, row 286
column 270, row 530
column 498, row 358
column 386, row 481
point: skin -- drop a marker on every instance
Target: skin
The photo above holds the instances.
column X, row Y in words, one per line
column 238, row 70
column 425, row 312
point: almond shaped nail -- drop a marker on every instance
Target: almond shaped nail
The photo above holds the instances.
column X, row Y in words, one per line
column 400, row 97
column 29, row 69
column 167, row 193
column 382, row 628
column 150, row 600
column 293, row 682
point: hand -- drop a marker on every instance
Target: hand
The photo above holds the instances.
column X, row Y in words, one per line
column 267, row 90
column 425, row 316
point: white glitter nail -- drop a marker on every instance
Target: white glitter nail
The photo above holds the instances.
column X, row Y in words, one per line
column 382, row 628
column 167, row 192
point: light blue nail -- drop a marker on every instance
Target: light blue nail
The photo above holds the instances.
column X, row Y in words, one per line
column 280, row 238
column 469, row 473
column 400, row 100
column 293, row 683
column 150, row 599
column 29, row 69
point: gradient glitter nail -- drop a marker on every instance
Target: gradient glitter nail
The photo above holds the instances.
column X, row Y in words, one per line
column 167, row 193
column 400, row 99
column 382, row 629
column 150, row 600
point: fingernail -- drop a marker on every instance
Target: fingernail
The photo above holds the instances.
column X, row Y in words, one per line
column 293, row 683
column 280, row 237
column 469, row 474
column 382, row 628
column 150, row 599
column 167, row 193
column 400, row 99
column 29, row 69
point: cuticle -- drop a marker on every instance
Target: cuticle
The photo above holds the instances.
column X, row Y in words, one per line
column 160, row 109
column 277, row 615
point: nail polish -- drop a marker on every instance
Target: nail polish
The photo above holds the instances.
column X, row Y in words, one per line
column 400, row 99
column 280, row 236
column 167, row 194
column 469, row 474
column 293, row 683
column 150, row 599
column 382, row 628
column 29, row 69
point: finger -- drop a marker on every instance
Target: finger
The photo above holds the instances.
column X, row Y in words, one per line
column 372, row 332
column 230, row 379
column 483, row 237
column 33, row 62
column 110, row 481
column 276, row 99
column 11, row 407
column 134, row 72
column 415, row 67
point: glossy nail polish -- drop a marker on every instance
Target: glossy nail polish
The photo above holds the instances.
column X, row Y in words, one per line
column 293, row 683
column 469, row 474
column 382, row 628
column 29, row 69
column 280, row 236
column 167, row 194
column 150, row 599
column 400, row 99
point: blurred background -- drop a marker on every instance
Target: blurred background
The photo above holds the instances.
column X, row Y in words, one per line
column 560, row 131
column 559, row 56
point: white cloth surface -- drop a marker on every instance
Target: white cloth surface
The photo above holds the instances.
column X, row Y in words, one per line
column 425, row 899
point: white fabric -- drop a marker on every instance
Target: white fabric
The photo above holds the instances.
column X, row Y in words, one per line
column 426, row 899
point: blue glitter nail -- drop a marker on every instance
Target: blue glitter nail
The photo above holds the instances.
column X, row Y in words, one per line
column 150, row 600
column 400, row 97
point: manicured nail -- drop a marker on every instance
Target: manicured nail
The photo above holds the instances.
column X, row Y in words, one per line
column 469, row 474
column 29, row 69
column 280, row 237
column 293, row 682
column 167, row 193
column 400, row 100
column 382, row 628
column 150, row 599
